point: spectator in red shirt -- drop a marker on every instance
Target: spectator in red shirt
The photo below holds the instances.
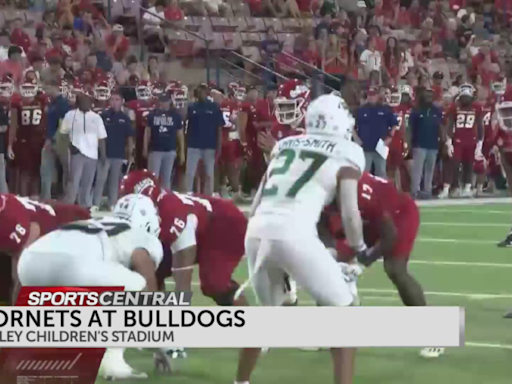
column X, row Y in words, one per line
column 18, row 36
column 57, row 48
column 117, row 43
column 402, row 18
column 13, row 64
column 374, row 33
column 91, row 64
column 310, row 55
column 173, row 11
column 415, row 14
column 67, row 37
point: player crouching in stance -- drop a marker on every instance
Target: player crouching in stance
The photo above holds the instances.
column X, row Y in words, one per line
column 391, row 225
column 121, row 251
column 201, row 230
column 305, row 173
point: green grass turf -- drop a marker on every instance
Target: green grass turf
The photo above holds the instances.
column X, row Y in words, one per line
column 484, row 322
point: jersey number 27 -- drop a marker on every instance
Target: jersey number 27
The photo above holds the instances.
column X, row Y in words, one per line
column 289, row 155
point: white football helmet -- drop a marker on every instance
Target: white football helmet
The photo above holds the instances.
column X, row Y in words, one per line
column 329, row 115
column 140, row 211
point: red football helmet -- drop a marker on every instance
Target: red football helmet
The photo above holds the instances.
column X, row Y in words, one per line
column 504, row 113
column 73, row 89
column 143, row 90
column 395, row 97
column 293, row 97
column 6, row 86
column 158, row 88
column 141, row 182
column 102, row 91
column 29, row 88
column 178, row 93
column 499, row 86
column 237, row 91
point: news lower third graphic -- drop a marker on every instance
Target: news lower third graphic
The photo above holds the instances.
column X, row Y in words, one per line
column 61, row 333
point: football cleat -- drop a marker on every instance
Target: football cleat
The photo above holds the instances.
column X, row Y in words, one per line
column 445, row 193
column 507, row 242
column 431, row 353
column 162, row 361
column 177, row 353
column 114, row 367
column 508, row 315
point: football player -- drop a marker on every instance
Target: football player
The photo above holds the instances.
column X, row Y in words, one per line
column 503, row 143
column 22, row 221
column 179, row 94
column 26, row 137
column 101, row 92
column 249, row 124
column 282, row 239
column 232, row 152
column 401, row 100
column 236, row 91
column 138, row 111
column 119, row 251
column 6, row 93
column 465, row 140
column 391, row 222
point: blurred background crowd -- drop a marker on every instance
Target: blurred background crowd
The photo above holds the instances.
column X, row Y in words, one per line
column 199, row 90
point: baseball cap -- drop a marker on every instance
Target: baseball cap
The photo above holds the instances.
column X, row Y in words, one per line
column 438, row 75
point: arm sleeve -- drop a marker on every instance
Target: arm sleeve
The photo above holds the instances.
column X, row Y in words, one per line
column 350, row 215
column 187, row 238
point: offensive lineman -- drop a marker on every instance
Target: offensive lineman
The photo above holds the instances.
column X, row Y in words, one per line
column 123, row 250
column 304, row 175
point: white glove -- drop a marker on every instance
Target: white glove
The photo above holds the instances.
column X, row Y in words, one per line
column 351, row 271
column 478, row 151
column 449, row 147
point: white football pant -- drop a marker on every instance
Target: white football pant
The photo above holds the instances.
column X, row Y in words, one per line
column 306, row 260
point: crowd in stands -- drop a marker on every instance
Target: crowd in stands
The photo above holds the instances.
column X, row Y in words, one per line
column 355, row 47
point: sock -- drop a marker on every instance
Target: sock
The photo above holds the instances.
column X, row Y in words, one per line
column 480, row 188
column 446, row 187
column 467, row 187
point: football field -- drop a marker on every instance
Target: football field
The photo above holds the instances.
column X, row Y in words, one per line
column 458, row 264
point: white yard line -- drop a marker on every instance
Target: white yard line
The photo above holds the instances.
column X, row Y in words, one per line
column 486, row 345
column 455, row 241
column 434, row 210
column 455, row 224
column 461, row 263
column 478, row 296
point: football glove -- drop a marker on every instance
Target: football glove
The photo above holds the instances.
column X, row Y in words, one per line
column 478, row 151
column 351, row 271
column 449, row 147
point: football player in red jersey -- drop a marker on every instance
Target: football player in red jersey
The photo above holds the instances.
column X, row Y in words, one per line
column 391, row 225
column 401, row 100
column 291, row 102
column 138, row 112
column 465, row 139
column 232, row 152
column 26, row 137
column 178, row 93
column 503, row 142
column 199, row 230
column 202, row 230
column 22, row 221
column 249, row 124
column 101, row 94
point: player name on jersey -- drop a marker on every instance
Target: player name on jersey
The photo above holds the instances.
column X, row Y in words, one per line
column 326, row 145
